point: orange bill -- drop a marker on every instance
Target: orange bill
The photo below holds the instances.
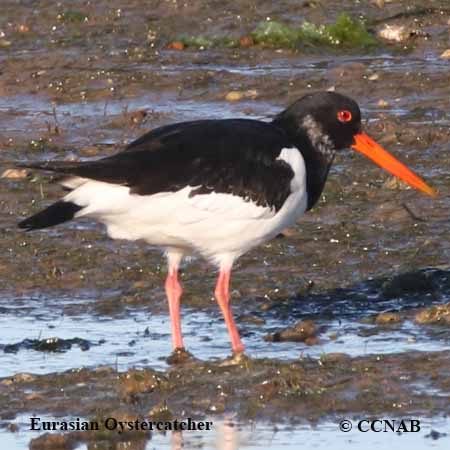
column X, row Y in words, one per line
column 367, row 146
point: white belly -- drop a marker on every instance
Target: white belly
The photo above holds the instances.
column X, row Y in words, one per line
column 216, row 225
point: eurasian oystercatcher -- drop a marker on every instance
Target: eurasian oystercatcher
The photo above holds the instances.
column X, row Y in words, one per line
column 216, row 188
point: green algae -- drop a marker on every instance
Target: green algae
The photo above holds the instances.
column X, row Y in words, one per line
column 346, row 32
column 203, row 42
column 276, row 34
column 349, row 32
column 198, row 42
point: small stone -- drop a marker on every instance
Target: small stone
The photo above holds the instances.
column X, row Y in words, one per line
column 176, row 45
column 246, row 41
column 394, row 33
column 23, row 28
column 446, row 54
column 382, row 103
column 373, row 77
column 14, row 174
column 4, row 43
column 234, row 96
column 251, row 93
column 387, row 318
column 300, row 332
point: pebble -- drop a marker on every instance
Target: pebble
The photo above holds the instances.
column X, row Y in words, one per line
column 176, row 45
column 387, row 318
column 383, row 103
column 234, row 96
column 14, row 174
column 304, row 331
column 4, row 43
column 446, row 54
column 394, row 33
column 246, row 41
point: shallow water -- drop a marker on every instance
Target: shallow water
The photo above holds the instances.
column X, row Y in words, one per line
column 139, row 338
column 231, row 435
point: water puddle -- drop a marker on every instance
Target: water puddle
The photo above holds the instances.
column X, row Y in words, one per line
column 37, row 337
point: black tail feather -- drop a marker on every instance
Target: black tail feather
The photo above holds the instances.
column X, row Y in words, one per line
column 57, row 213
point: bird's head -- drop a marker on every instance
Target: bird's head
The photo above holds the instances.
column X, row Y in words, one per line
column 332, row 122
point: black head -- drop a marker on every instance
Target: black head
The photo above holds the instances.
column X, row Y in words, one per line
column 323, row 122
column 323, row 116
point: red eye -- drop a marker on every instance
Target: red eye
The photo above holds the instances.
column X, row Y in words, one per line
column 344, row 116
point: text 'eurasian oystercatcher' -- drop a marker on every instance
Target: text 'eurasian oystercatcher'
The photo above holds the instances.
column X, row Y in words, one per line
column 216, row 187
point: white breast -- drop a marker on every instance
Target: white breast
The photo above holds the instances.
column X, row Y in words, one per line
column 296, row 204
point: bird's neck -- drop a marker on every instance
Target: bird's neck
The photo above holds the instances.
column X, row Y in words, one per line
column 317, row 150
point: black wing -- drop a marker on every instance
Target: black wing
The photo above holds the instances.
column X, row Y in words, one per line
column 237, row 156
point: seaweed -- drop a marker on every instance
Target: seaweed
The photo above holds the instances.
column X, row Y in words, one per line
column 276, row 34
column 345, row 32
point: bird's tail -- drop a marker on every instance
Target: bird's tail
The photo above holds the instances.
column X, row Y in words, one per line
column 57, row 213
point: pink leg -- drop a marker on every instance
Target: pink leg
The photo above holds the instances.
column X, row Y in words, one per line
column 223, row 298
column 173, row 292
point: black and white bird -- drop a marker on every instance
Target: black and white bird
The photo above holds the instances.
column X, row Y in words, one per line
column 216, row 188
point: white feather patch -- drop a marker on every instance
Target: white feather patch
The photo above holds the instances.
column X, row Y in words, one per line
column 219, row 226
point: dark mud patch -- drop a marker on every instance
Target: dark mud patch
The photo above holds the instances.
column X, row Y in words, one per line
column 48, row 345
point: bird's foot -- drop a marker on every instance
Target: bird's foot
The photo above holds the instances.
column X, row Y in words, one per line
column 180, row 356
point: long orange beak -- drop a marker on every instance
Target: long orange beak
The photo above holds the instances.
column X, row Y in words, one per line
column 367, row 146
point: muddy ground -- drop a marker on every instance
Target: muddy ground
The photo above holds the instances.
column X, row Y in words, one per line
column 81, row 79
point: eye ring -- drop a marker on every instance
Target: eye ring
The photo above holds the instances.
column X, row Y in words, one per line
column 344, row 116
